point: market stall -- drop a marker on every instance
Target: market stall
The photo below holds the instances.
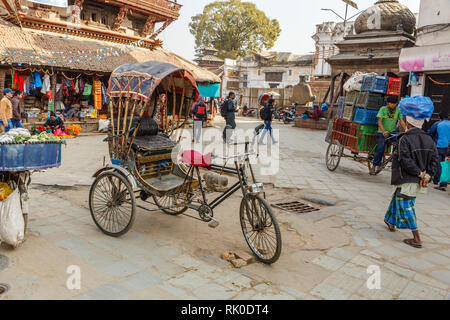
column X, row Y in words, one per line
column 76, row 97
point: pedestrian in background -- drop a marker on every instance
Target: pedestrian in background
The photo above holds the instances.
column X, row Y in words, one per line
column 267, row 116
column 17, row 114
column 228, row 111
column 6, row 110
column 199, row 113
column 440, row 132
column 415, row 162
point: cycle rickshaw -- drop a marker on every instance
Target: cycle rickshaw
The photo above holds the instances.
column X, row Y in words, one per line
column 360, row 141
column 149, row 102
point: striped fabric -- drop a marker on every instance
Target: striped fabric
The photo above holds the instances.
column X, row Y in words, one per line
column 401, row 213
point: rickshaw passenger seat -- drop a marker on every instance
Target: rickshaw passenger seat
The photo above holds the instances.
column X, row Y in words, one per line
column 196, row 159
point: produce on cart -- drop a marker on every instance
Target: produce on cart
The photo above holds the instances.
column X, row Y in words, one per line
column 20, row 155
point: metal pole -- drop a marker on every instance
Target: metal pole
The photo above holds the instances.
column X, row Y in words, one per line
column 345, row 20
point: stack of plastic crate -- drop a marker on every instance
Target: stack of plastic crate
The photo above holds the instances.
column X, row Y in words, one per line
column 375, row 84
column 350, row 101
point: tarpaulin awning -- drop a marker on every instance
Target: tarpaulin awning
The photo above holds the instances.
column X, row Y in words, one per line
column 210, row 90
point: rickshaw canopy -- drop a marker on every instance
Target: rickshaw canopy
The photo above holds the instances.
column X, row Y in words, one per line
column 139, row 80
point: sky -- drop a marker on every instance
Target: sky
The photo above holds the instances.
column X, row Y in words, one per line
column 298, row 20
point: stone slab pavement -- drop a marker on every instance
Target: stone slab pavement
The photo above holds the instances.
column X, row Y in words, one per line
column 141, row 266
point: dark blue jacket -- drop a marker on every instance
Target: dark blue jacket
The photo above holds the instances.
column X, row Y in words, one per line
column 416, row 152
column 230, row 109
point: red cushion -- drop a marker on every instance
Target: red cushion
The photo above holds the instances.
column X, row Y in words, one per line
column 196, row 159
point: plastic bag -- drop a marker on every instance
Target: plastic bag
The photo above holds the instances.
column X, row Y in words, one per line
column 355, row 82
column 12, row 225
column 417, row 107
column 103, row 125
column 445, row 175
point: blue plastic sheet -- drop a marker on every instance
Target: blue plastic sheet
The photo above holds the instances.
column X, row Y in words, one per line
column 210, row 90
column 23, row 157
column 417, row 107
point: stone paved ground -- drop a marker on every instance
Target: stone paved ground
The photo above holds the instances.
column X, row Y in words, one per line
column 325, row 255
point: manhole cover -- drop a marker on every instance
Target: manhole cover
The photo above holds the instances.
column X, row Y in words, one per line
column 3, row 262
column 296, row 207
column 3, row 288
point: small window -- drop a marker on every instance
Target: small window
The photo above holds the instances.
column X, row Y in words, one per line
column 82, row 16
column 259, row 72
column 104, row 20
column 245, row 77
column 290, row 72
column 94, row 17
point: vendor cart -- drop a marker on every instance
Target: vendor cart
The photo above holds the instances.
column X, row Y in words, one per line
column 19, row 160
column 361, row 143
column 145, row 164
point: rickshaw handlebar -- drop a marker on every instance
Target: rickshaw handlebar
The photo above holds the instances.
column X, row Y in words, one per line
column 119, row 135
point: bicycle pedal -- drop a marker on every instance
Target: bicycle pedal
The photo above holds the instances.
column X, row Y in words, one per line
column 213, row 224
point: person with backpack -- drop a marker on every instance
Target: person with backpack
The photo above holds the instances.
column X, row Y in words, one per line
column 199, row 113
column 267, row 115
column 228, row 110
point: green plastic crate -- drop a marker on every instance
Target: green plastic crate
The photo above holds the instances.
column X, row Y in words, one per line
column 369, row 100
column 351, row 97
column 366, row 137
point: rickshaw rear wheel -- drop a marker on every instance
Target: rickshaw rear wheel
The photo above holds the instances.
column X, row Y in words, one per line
column 334, row 155
column 171, row 204
column 260, row 229
column 112, row 204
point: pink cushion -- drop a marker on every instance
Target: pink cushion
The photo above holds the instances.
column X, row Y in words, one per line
column 196, row 159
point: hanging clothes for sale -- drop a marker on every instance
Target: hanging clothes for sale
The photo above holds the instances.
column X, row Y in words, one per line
column 87, row 89
column 59, row 92
column 105, row 96
column 97, row 94
column 45, row 84
column 17, row 82
column 27, row 86
column 37, row 80
column 81, row 84
column 67, row 83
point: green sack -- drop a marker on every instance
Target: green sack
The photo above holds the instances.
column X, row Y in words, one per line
column 445, row 175
column 87, row 90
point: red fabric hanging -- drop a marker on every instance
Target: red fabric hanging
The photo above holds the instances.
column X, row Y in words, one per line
column 17, row 82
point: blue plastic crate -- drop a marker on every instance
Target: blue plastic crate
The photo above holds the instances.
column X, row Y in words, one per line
column 29, row 156
column 377, row 84
column 366, row 116
column 341, row 106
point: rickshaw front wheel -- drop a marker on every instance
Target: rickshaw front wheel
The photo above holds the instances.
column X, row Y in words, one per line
column 334, row 154
column 112, row 204
column 260, row 228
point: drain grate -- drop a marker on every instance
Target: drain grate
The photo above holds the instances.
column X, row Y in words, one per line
column 3, row 288
column 296, row 207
